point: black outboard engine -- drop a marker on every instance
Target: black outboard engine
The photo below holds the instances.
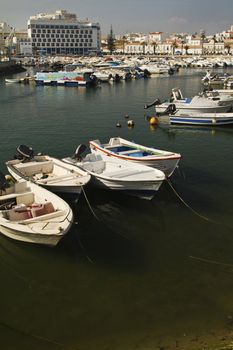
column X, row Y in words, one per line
column 79, row 151
column 3, row 182
column 155, row 103
column 24, row 153
column 170, row 109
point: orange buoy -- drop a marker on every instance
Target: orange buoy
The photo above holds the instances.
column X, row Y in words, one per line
column 154, row 121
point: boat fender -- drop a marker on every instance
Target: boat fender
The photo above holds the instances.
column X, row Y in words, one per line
column 130, row 123
column 154, row 120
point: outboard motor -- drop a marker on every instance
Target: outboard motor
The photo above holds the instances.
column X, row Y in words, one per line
column 24, row 153
column 170, row 109
column 155, row 103
column 79, row 151
column 3, row 182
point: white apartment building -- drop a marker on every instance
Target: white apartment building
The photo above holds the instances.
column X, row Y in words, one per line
column 157, row 37
column 62, row 33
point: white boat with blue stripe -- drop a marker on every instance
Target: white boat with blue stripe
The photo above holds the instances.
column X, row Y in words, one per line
column 208, row 119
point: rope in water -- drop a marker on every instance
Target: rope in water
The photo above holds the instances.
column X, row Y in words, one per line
column 89, row 205
column 35, row 336
column 193, row 210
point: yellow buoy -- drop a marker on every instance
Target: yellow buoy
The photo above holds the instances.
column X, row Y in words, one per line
column 154, row 121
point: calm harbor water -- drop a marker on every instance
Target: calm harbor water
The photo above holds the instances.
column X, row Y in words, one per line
column 146, row 274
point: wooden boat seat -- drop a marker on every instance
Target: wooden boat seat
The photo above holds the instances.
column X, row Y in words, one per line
column 12, row 196
column 46, row 217
column 33, row 168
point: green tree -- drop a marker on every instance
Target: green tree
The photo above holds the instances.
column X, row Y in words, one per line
column 174, row 46
column 111, row 41
column 203, row 36
column 214, row 41
column 154, row 44
column 228, row 47
column 186, row 47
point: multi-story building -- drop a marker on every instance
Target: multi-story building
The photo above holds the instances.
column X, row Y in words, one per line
column 62, row 33
column 6, row 33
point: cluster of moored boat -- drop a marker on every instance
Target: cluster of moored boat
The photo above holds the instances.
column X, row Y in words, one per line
column 211, row 108
column 31, row 210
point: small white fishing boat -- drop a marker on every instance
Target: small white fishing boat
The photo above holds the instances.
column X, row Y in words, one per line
column 12, row 81
column 201, row 103
column 122, row 149
column 207, row 119
column 117, row 174
column 30, row 213
column 49, row 172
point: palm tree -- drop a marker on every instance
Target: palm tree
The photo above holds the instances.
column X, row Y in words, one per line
column 154, row 44
column 202, row 41
column 228, row 47
column 123, row 40
column 186, row 47
column 214, row 40
column 143, row 47
column 174, row 46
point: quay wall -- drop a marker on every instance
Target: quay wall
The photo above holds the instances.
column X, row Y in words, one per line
column 7, row 67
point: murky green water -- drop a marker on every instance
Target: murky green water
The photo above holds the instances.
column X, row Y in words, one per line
column 146, row 274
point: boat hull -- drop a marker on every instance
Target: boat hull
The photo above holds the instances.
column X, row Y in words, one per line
column 206, row 121
column 167, row 163
column 18, row 235
column 189, row 109
column 47, row 228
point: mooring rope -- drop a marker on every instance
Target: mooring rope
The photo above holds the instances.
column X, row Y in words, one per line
column 35, row 336
column 97, row 218
column 210, row 261
column 193, row 210
column 186, row 204
column 89, row 205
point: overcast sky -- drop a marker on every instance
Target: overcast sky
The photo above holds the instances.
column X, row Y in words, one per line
column 130, row 15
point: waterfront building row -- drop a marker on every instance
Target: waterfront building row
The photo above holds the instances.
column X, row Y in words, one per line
column 62, row 33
